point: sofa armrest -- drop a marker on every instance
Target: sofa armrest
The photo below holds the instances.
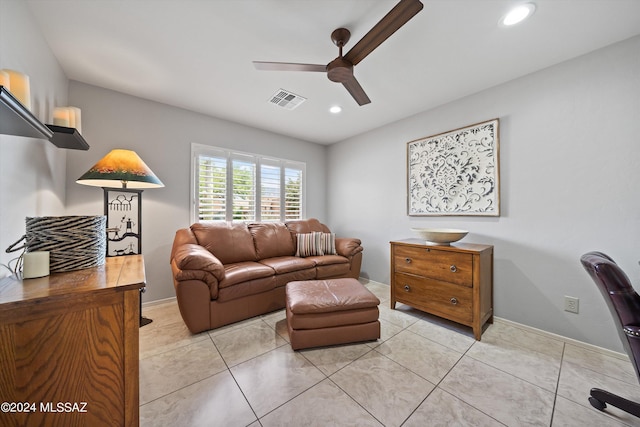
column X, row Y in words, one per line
column 193, row 261
column 348, row 246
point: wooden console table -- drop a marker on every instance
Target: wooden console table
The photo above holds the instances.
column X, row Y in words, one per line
column 454, row 282
column 69, row 346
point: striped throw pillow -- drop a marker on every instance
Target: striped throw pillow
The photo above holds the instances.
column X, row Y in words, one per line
column 309, row 244
column 329, row 243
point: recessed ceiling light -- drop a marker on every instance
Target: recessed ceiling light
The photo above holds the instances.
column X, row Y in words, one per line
column 518, row 14
column 335, row 109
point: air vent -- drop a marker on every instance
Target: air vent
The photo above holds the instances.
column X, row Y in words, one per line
column 286, row 99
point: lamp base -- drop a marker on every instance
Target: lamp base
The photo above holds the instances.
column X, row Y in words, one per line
column 143, row 320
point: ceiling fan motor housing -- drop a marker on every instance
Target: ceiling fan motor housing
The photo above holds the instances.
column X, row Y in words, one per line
column 339, row 70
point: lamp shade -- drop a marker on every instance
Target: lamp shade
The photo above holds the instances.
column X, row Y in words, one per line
column 120, row 169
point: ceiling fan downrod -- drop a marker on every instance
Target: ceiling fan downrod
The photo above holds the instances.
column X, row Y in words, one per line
column 340, row 70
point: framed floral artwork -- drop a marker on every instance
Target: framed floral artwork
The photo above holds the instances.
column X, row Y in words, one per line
column 455, row 173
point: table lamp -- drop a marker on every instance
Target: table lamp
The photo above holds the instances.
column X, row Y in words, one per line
column 121, row 169
column 123, row 176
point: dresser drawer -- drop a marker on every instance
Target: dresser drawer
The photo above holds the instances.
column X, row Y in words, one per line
column 451, row 301
column 453, row 267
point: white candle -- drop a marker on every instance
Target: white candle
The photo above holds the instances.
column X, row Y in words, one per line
column 36, row 264
column 20, row 87
column 61, row 116
column 5, row 80
column 72, row 117
column 77, row 118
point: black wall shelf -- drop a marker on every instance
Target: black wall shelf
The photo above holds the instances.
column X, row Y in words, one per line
column 70, row 138
column 16, row 119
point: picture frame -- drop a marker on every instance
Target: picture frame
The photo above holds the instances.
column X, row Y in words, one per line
column 455, row 172
column 123, row 209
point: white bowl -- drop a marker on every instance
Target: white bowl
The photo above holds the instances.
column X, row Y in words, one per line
column 440, row 236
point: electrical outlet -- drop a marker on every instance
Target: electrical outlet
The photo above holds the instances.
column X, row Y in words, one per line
column 571, row 304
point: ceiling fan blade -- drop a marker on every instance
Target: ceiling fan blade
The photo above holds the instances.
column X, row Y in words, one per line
column 396, row 18
column 288, row 66
column 356, row 91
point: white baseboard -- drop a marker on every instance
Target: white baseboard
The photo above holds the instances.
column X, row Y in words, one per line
column 158, row 302
column 577, row 343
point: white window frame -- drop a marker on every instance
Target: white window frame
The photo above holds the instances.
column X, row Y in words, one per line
column 199, row 149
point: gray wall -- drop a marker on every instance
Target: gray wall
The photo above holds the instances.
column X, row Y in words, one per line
column 569, row 172
column 162, row 137
column 569, row 157
column 32, row 171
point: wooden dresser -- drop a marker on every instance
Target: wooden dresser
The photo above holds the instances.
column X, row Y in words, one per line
column 454, row 282
column 69, row 346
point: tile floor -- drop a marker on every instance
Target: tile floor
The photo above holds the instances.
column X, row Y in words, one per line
column 423, row 371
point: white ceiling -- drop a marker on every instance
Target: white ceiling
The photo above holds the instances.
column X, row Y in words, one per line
column 197, row 54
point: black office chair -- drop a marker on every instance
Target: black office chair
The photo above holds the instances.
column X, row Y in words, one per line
column 624, row 304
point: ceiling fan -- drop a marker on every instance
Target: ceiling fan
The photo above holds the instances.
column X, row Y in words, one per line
column 340, row 70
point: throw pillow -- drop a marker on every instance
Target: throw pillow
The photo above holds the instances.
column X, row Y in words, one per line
column 309, row 244
column 329, row 243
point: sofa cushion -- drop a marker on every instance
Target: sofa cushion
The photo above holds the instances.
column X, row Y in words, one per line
column 284, row 278
column 244, row 271
column 229, row 242
column 287, row 264
column 332, row 270
column 309, row 244
column 329, row 260
column 272, row 240
column 246, row 289
column 331, row 266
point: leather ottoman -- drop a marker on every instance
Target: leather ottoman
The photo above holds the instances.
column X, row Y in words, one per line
column 329, row 312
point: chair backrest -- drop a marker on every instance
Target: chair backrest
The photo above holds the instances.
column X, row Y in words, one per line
column 621, row 298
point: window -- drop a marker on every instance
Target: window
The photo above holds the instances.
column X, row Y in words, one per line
column 235, row 186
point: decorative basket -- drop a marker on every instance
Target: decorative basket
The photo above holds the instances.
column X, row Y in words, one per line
column 73, row 242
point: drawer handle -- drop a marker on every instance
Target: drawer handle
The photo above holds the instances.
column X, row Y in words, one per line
column 407, row 288
column 407, row 260
column 454, row 301
column 453, row 268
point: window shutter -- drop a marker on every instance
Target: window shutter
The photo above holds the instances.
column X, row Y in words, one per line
column 212, row 188
column 235, row 186
column 244, row 190
column 270, row 193
column 293, row 194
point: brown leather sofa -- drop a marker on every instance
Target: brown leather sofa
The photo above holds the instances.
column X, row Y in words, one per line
column 226, row 272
